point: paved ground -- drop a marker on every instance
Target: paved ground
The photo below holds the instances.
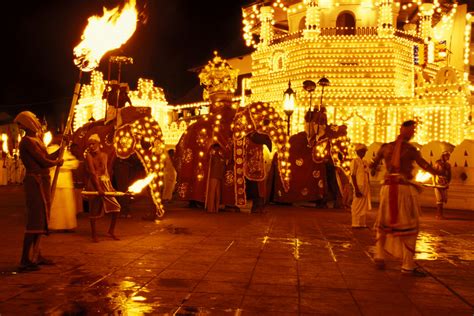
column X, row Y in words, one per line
column 289, row 261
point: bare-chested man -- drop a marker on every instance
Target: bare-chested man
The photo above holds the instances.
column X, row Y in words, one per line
column 397, row 220
column 37, row 187
column 96, row 162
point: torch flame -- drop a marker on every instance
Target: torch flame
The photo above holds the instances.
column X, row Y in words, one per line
column 140, row 184
column 47, row 138
column 105, row 33
column 422, row 176
column 5, row 143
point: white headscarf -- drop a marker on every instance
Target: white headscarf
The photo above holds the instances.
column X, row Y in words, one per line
column 29, row 121
column 93, row 138
column 358, row 147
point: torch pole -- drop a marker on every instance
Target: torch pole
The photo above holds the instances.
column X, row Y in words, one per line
column 321, row 101
column 114, row 194
column 67, row 132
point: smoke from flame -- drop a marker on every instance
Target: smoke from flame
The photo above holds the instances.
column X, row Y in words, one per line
column 140, row 184
column 105, row 33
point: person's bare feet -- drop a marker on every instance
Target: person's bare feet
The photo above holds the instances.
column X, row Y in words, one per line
column 95, row 239
column 379, row 264
column 112, row 235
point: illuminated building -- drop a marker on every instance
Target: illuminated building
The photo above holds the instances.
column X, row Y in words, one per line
column 387, row 61
column 92, row 106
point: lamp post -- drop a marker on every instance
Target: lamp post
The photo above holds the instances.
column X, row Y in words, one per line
column 289, row 104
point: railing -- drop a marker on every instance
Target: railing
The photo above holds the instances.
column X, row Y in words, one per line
column 347, row 31
column 407, row 36
column 286, row 37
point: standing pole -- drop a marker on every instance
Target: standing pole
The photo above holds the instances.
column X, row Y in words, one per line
column 67, row 132
column 321, row 102
column 288, row 125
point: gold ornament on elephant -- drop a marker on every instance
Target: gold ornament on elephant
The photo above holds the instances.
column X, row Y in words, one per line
column 218, row 76
column 229, row 178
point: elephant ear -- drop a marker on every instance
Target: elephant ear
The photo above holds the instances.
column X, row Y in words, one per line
column 261, row 139
column 144, row 138
column 261, row 119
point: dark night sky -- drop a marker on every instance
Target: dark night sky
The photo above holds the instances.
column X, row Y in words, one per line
column 38, row 39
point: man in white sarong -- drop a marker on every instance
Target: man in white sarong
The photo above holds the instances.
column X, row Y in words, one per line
column 360, row 182
column 4, row 169
column 169, row 180
column 64, row 206
column 18, row 170
column 397, row 222
column 97, row 167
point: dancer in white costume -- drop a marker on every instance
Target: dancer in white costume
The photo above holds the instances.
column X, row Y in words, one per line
column 397, row 220
column 360, row 181
column 64, row 207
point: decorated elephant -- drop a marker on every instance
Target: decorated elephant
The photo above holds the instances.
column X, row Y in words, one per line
column 319, row 163
column 138, row 135
column 241, row 133
column 255, row 125
column 192, row 155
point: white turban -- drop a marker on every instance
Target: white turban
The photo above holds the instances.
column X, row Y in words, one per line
column 358, row 147
column 93, row 138
column 28, row 120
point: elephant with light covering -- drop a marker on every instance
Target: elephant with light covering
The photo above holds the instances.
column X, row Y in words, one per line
column 242, row 134
column 138, row 134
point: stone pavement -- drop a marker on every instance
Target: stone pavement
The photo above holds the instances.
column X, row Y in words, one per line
column 289, row 261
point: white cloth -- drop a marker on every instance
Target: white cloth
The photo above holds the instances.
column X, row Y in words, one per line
column 28, row 120
column 360, row 205
column 64, row 207
column 20, row 172
column 398, row 237
column 3, row 172
column 16, row 171
column 169, row 179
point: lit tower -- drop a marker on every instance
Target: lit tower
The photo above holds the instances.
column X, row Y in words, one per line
column 312, row 19
column 426, row 11
column 385, row 21
column 266, row 20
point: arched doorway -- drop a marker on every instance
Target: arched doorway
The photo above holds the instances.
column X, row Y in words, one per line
column 345, row 23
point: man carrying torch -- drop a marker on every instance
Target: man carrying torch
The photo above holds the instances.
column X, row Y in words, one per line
column 397, row 221
column 97, row 167
column 37, row 162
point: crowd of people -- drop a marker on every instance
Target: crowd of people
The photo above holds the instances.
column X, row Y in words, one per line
column 12, row 170
column 396, row 225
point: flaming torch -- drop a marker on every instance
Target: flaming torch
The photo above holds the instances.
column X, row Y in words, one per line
column 102, row 34
column 47, row 138
column 134, row 189
column 5, row 144
column 423, row 177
